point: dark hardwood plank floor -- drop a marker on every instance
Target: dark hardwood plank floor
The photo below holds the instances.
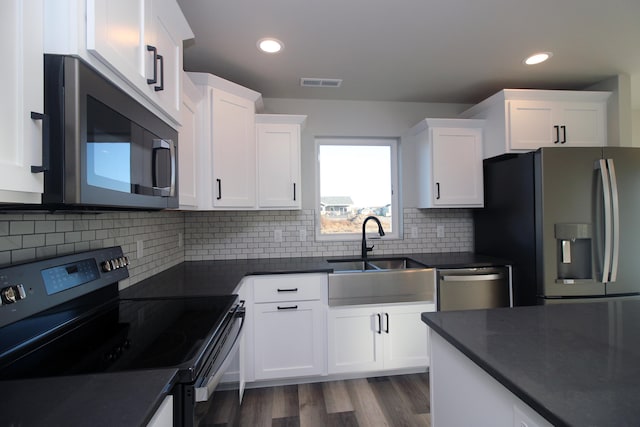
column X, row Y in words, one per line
column 399, row 400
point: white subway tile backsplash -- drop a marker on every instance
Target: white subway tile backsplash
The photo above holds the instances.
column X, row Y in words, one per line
column 221, row 235
column 212, row 235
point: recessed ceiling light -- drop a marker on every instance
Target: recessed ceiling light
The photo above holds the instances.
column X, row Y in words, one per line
column 538, row 58
column 270, row 45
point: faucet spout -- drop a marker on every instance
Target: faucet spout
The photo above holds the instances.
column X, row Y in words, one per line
column 366, row 249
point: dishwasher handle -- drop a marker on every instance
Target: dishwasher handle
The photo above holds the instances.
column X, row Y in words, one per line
column 472, row 278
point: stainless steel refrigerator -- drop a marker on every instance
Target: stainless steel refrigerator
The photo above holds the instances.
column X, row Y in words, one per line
column 569, row 220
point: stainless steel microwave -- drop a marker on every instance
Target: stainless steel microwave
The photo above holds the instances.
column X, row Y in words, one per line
column 106, row 150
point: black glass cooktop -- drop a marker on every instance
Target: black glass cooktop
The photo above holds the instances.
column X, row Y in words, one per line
column 120, row 335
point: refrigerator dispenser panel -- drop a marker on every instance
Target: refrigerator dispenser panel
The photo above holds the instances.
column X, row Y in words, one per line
column 574, row 252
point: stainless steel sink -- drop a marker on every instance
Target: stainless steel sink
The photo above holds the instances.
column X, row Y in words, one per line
column 395, row 264
column 377, row 264
column 380, row 281
column 348, row 265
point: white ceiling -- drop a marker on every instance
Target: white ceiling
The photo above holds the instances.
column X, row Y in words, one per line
column 457, row 51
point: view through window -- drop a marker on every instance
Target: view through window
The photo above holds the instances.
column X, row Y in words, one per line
column 357, row 177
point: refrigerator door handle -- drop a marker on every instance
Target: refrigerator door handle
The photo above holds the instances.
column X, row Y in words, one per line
column 616, row 220
column 606, row 193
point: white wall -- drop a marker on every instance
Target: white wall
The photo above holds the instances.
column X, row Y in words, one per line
column 359, row 119
column 619, row 116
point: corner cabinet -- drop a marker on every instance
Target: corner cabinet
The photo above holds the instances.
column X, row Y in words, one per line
column 227, row 146
column 374, row 338
column 449, row 163
column 148, row 59
column 22, row 77
column 189, row 136
column 520, row 120
column 288, row 325
column 278, row 150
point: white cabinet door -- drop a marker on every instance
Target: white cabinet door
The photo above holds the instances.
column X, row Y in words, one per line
column 449, row 169
column 233, row 150
column 160, row 32
column 585, row 123
column 531, row 124
column 405, row 336
column 288, row 339
column 163, row 417
column 22, row 76
column 354, row 339
column 457, row 167
column 115, row 34
column 278, row 165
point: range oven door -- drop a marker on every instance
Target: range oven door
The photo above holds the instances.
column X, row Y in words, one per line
column 197, row 398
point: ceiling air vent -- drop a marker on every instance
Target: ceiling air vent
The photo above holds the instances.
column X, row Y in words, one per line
column 310, row 82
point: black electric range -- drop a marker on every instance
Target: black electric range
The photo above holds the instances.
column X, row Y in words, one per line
column 62, row 316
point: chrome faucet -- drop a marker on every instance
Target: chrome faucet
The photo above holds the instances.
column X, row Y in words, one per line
column 366, row 248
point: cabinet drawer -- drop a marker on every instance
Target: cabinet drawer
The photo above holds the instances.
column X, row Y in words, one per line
column 288, row 287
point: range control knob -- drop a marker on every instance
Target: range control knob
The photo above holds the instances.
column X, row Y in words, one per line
column 106, row 266
column 12, row 294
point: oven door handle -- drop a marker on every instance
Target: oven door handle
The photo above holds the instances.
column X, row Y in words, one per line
column 204, row 391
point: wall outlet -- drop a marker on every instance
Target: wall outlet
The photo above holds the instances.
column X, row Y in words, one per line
column 440, row 231
column 139, row 249
column 303, row 235
column 414, row 232
column 180, row 240
column 277, row 236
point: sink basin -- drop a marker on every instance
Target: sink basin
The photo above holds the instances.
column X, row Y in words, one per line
column 348, row 265
column 380, row 281
column 377, row 264
column 395, row 264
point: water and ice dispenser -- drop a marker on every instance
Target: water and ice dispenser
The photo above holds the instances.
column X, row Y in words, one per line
column 574, row 251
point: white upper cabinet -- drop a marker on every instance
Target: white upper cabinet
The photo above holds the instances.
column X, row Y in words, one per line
column 278, row 144
column 449, row 163
column 135, row 43
column 22, row 78
column 519, row 120
column 227, row 148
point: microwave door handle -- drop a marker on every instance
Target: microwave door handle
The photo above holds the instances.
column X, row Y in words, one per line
column 163, row 144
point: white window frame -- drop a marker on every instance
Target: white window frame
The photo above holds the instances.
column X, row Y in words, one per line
column 396, row 209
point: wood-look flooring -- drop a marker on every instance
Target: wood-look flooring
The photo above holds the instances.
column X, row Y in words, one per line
column 399, row 400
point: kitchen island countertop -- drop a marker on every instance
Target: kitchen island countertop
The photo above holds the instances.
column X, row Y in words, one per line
column 575, row 364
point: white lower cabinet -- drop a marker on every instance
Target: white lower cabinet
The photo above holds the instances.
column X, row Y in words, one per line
column 163, row 417
column 372, row 338
column 288, row 339
column 288, row 325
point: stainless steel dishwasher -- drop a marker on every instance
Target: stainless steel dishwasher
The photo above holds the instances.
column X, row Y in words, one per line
column 474, row 288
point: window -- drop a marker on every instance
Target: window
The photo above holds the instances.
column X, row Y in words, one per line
column 357, row 178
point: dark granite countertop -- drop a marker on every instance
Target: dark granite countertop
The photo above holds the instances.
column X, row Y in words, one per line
column 130, row 398
column 575, row 364
column 222, row 277
column 73, row 401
